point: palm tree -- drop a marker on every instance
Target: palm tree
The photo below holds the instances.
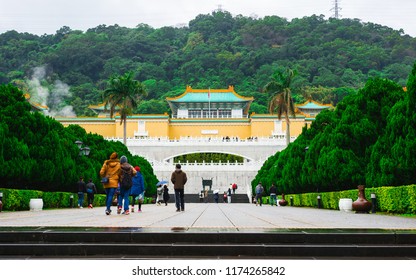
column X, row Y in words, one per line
column 281, row 98
column 123, row 95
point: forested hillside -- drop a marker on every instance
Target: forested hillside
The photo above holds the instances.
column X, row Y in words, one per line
column 333, row 57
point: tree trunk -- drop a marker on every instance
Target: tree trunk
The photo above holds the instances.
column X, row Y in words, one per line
column 287, row 133
column 125, row 132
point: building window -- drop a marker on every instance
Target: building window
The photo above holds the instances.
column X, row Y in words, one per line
column 195, row 113
column 183, row 113
column 224, row 113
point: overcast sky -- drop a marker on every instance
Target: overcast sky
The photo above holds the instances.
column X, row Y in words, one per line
column 47, row 16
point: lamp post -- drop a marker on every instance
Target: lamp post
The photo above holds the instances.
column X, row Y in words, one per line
column 79, row 144
column 373, row 203
column 1, row 201
column 83, row 151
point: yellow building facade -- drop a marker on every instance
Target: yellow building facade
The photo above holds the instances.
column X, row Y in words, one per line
column 201, row 113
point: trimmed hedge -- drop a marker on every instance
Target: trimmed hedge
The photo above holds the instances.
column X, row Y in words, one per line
column 18, row 200
column 398, row 200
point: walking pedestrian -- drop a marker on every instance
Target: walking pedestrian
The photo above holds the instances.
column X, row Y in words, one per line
column 127, row 172
column 259, row 194
column 81, row 191
column 166, row 195
column 159, row 198
column 216, row 197
column 224, row 196
column 229, row 195
column 137, row 190
column 273, row 197
column 234, row 187
column 110, row 174
column 91, row 191
column 179, row 179
column 206, row 196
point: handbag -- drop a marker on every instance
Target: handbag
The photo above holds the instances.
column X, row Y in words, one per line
column 105, row 180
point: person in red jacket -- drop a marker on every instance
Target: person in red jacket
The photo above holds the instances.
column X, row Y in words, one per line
column 234, row 186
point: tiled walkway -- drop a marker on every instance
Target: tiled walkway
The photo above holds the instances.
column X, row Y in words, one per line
column 208, row 216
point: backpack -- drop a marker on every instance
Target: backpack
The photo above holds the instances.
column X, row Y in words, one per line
column 126, row 179
column 259, row 189
column 90, row 188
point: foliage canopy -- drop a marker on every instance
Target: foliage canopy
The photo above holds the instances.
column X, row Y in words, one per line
column 39, row 153
column 369, row 138
column 214, row 51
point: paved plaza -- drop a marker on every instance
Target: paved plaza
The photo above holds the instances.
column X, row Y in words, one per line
column 208, row 217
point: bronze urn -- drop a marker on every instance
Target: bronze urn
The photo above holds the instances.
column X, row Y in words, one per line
column 361, row 205
column 283, row 202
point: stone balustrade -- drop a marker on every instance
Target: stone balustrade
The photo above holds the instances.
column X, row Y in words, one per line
column 165, row 141
column 161, row 153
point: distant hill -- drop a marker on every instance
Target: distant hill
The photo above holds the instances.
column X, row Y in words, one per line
column 332, row 57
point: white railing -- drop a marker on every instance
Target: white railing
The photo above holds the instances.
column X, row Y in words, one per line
column 221, row 165
column 205, row 140
column 222, row 176
column 141, row 133
column 244, row 116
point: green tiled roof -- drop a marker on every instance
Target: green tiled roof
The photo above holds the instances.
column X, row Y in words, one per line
column 218, row 98
column 214, row 97
column 311, row 105
column 101, row 107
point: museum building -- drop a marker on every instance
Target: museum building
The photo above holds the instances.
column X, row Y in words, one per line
column 201, row 113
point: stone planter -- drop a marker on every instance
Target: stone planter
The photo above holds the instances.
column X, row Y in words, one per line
column 361, row 205
column 36, row 204
column 345, row 204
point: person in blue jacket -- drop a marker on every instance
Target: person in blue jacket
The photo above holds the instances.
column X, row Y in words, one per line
column 137, row 190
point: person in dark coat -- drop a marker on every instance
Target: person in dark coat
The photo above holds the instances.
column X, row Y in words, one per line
column 91, row 191
column 216, row 197
column 127, row 170
column 81, row 191
column 259, row 194
column 166, row 195
column 273, row 197
column 179, row 180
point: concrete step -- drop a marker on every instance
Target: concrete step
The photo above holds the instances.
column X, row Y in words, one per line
column 113, row 250
column 179, row 242
column 235, row 198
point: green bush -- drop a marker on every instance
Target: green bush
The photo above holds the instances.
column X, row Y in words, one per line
column 19, row 200
column 398, row 200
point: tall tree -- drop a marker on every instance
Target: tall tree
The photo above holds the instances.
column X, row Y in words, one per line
column 281, row 100
column 123, row 94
